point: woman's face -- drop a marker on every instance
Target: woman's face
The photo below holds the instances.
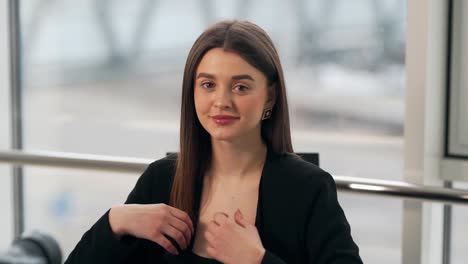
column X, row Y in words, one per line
column 230, row 96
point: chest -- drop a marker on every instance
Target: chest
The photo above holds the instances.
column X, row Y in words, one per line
column 226, row 200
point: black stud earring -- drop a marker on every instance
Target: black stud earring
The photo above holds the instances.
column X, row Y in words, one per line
column 266, row 113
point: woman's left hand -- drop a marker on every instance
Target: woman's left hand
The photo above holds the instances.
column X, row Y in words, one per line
column 233, row 240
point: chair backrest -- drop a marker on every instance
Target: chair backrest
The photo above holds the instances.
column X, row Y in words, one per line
column 311, row 157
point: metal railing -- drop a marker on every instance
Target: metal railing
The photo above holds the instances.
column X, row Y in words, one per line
column 122, row 164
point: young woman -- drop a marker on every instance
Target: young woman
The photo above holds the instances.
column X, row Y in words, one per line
column 236, row 192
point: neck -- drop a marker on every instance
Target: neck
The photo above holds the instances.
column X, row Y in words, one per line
column 236, row 161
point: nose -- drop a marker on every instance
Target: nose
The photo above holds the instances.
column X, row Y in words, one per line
column 223, row 99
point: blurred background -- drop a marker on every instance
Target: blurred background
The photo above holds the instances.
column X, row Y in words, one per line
column 104, row 77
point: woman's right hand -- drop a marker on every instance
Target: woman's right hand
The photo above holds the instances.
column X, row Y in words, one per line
column 153, row 222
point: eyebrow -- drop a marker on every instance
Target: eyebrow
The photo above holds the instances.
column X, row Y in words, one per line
column 235, row 77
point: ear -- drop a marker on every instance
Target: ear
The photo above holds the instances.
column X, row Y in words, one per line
column 271, row 96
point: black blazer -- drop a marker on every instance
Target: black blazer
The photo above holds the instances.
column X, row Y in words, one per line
column 298, row 218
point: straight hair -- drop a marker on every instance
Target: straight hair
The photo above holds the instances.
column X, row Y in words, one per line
column 254, row 45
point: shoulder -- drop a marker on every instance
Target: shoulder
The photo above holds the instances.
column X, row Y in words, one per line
column 154, row 185
column 294, row 184
column 299, row 174
column 291, row 188
column 165, row 165
column 161, row 171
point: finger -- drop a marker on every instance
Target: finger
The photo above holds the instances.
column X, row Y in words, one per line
column 210, row 238
column 181, row 226
column 212, row 226
column 176, row 235
column 166, row 244
column 211, row 251
column 240, row 213
column 220, row 218
column 221, row 213
column 182, row 216
column 239, row 218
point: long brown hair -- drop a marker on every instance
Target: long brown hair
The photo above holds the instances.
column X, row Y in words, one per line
column 254, row 45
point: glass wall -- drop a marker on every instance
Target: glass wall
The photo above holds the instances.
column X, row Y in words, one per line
column 66, row 203
column 458, row 123
column 104, row 77
column 6, row 221
column 375, row 225
column 458, row 242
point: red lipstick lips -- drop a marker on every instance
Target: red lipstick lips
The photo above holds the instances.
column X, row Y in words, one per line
column 224, row 119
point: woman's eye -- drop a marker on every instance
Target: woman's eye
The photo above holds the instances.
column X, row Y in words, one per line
column 207, row 85
column 241, row 88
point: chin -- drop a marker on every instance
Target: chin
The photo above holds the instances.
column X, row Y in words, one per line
column 222, row 137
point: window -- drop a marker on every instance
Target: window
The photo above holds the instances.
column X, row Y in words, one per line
column 104, row 77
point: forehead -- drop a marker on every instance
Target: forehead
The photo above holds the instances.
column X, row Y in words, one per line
column 226, row 63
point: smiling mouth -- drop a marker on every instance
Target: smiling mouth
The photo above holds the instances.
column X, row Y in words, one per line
column 224, row 120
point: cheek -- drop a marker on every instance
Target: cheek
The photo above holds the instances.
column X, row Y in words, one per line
column 250, row 107
column 200, row 102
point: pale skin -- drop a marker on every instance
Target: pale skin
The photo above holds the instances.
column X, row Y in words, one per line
column 225, row 84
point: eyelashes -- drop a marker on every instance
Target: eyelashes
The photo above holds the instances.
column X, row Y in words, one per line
column 207, row 85
column 242, row 88
column 238, row 87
